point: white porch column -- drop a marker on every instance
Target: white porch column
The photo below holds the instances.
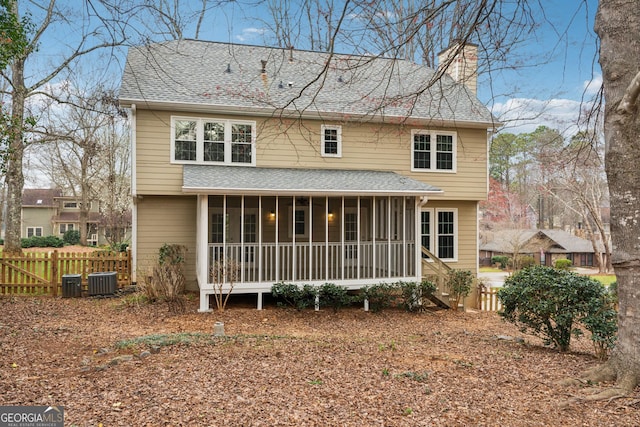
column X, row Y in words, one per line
column 202, row 250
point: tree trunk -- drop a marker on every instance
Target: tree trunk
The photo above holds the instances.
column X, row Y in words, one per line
column 618, row 26
column 15, row 176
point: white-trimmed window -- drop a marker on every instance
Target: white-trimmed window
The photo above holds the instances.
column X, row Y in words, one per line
column 213, row 141
column 66, row 227
column 331, row 141
column 433, row 151
column 439, row 232
column 34, row 231
column 70, row 205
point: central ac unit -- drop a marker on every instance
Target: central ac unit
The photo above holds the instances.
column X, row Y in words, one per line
column 102, row 283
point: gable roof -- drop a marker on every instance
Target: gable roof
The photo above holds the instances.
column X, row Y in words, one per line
column 558, row 241
column 284, row 181
column 192, row 75
column 40, row 197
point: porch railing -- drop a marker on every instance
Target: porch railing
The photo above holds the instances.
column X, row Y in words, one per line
column 318, row 261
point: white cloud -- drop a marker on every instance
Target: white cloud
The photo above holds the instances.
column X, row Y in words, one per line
column 250, row 33
column 591, row 87
column 523, row 115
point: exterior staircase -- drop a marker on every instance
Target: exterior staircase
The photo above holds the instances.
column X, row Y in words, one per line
column 436, row 271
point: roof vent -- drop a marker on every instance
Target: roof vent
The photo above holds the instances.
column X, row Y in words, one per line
column 291, row 53
column 280, row 85
column 264, row 66
column 228, row 70
column 340, row 79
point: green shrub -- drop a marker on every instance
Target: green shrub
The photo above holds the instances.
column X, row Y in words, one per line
column 500, row 259
column 459, row 284
column 42, row 242
column 553, row 303
column 71, row 237
column 380, row 296
column 562, row 264
column 525, row 261
column 334, row 296
column 414, row 296
column 120, row 246
column 298, row 297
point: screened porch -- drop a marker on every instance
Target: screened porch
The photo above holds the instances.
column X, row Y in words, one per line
column 311, row 239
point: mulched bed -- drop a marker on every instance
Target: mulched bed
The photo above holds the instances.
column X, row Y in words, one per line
column 119, row 363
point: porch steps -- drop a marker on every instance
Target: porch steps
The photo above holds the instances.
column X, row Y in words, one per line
column 441, row 300
column 438, row 273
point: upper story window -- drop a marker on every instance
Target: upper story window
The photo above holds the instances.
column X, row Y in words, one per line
column 70, row 205
column 331, row 141
column 214, row 141
column 433, row 151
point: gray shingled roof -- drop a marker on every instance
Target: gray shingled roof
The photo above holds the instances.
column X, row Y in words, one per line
column 282, row 181
column 194, row 73
column 559, row 242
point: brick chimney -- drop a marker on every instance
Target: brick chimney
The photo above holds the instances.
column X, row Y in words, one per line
column 462, row 63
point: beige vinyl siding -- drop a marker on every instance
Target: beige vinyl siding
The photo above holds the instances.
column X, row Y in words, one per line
column 155, row 174
column 37, row 217
column 170, row 220
column 290, row 143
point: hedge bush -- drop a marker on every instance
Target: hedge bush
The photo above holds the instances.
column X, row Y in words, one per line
column 71, row 237
column 563, row 264
column 42, row 242
column 500, row 259
column 553, row 304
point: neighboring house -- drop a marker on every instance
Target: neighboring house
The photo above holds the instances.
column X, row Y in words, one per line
column 546, row 246
column 251, row 156
column 46, row 212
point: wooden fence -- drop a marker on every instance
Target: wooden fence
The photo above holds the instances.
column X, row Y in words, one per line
column 38, row 273
column 488, row 299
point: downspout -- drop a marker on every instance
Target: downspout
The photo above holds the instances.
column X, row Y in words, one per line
column 134, row 195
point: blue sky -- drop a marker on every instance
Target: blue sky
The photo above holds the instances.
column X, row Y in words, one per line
column 556, row 68
column 556, row 75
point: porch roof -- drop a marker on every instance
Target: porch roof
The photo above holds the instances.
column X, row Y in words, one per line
column 237, row 180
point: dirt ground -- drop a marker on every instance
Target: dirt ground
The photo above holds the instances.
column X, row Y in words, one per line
column 114, row 362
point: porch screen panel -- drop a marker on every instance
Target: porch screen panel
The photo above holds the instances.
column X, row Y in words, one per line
column 350, row 230
column 396, row 243
column 410, row 236
column 381, row 229
column 250, row 230
column 215, row 236
column 366, row 238
column 333, row 252
column 320, row 219
column 285, row 241
column 269, row 239
column 233, row 259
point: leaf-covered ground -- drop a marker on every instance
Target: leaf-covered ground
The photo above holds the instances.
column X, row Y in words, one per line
column 118, row 364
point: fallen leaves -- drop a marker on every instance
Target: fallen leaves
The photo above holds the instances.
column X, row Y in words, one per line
column 117, row 365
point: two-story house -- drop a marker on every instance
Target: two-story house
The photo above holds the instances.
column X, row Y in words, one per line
column 47, row 212
column 303, row 167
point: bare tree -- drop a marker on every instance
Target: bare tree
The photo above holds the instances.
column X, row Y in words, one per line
column 91, row 33
column 81, row 140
